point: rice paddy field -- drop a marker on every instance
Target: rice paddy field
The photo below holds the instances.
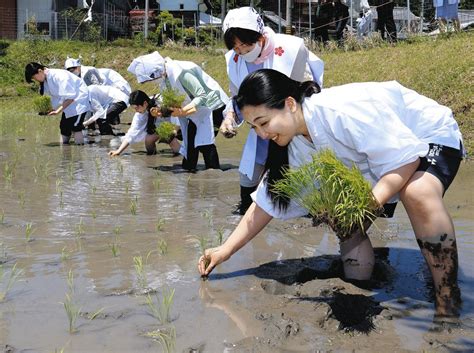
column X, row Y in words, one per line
column 99, row 254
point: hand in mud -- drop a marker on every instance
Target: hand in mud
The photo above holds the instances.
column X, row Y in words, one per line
column 114, row 153
column 227, row 127
column 211, row 258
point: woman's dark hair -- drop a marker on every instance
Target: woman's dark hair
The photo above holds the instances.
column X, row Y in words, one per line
column 138, row 98
column 246, row 36
column 32, row 69
column 271, row 88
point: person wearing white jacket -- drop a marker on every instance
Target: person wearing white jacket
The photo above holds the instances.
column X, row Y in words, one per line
column 107, row 103
column 406, row 145
column 203, row 105
column 95, row 76
column 253, row 46
column 69, row 97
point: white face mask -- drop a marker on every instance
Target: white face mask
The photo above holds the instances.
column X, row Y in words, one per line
column 252, row 55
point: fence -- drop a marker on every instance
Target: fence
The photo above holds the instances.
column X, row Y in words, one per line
column 21, row 23
column 415, row 16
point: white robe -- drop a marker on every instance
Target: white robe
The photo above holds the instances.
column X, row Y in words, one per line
column 237, row 70
column 114, row 79
column 203, row 116
column 378, row 126
column 100, row 98
column 61, row 85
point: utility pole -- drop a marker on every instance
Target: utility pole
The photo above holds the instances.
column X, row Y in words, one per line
column 279, row 16
column 146, row 20
column 223, row 9
column 289, row 22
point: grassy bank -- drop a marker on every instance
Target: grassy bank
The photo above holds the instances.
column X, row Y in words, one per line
column 440, row 68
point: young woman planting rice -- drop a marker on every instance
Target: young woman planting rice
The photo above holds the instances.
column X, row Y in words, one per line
column 406, row 145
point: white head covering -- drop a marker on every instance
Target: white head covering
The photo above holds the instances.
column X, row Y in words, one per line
column 147, row 67
column 71, row 62
column 243, row 17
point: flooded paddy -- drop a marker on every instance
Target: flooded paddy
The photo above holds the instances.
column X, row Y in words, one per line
column 112, row 237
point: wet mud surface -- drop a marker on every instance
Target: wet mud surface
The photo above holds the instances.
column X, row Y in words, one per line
column 129, row 229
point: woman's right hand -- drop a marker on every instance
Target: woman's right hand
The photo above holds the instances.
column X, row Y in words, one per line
column 227, row 127
column 211, row 258
column 114, row 153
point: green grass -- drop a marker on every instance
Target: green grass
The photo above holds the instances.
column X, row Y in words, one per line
column 438, row 67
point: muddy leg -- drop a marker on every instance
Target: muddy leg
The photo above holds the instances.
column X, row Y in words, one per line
column 357, row 255
column 441, row 255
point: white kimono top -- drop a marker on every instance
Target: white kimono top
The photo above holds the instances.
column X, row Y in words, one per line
column 378, row 126
column 203, row 115
column 100, row 97
column 283, row 60
column 61, row 85
column 114, row 79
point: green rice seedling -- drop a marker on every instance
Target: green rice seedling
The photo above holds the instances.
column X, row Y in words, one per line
column 8, row 170
column 161, row 309
column 3, row 253
column 127, row 186
column 94, row 214
column 165, row 131
column 21, row 199
column 79, row 228
column 94, row 189
column 65, row 254
column 331, row 192
column 162, row 247
column 140, row 271
column 95, row 314
column 159, row 225
column 42, row 104
column 28, row 231
column 115, row 248
column 117, row 230
column 97, row 165
column 165, row 337
column 59, row 185
column 220, row 235
column 70, row 170
column 2, row 216
column 203, row 242
column 7, row 284
column 207, row 214
column 72, row 312
column 70, row 281
column 133, row 207
column 171, row 98
column 156, row 183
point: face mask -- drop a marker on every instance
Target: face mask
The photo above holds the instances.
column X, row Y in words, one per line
column 252, row 55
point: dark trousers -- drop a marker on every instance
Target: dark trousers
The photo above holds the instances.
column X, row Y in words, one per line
column 112, row 118
column 386, row 23
column 217, row 119
column 341, row 17
column 209, row 152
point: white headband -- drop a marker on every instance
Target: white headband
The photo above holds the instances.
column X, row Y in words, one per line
column 147, row 67
column 243, row 17
column 70, row 62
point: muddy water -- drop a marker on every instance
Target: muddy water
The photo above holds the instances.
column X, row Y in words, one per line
column 66, row 208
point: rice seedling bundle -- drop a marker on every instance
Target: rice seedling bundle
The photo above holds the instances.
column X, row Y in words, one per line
column 331, row 192
column 42, row 104
column 170, row 98
column 165, row 130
